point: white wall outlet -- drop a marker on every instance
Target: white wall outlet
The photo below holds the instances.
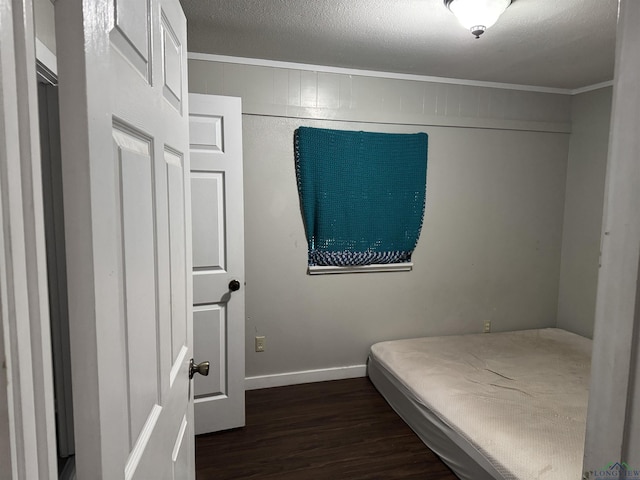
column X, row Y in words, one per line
column 487, row 326
column 260, row 344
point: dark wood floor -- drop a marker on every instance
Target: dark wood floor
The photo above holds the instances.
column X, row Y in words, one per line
column 319, row 431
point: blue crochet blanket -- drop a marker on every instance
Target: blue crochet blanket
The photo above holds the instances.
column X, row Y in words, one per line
column 362, row 194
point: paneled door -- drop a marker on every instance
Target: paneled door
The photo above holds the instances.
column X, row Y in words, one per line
column 215, row 137
column 125, row 163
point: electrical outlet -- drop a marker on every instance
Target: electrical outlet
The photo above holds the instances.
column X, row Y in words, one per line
column 260, row 344
column 487, row 326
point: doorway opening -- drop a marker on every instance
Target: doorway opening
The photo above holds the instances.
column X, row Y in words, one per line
column 48, row 110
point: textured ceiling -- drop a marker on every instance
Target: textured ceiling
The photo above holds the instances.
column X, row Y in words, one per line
column 550, row 43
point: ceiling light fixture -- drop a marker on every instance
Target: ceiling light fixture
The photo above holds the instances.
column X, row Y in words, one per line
column 477, row 15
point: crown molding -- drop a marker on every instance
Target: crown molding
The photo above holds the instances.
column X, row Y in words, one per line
column 372, row 73
column 590, row 88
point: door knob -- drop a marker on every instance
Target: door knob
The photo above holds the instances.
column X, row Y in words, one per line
column 234, row 285
column 202, row 368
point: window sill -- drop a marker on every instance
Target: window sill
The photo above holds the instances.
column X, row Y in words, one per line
column 386, row 267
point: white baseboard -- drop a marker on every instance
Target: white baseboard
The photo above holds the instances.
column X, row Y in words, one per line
column 307, row 376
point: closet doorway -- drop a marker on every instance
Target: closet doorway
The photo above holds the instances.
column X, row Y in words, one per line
column 56, row 268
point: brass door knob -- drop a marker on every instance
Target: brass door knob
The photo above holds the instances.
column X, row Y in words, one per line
column 202, row 368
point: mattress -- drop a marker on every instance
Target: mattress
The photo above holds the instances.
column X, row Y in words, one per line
column 505, row 406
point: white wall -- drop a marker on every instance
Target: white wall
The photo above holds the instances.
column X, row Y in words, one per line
column 45, row 41
column 490, row 245
column 45, row 23
column 591, row 113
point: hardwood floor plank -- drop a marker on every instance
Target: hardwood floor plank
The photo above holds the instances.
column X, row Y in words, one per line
column 341, row 429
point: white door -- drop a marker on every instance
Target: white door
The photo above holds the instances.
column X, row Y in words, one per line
column 215, row 131
column 124, row 132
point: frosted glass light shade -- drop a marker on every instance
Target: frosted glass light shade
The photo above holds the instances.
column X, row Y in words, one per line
column 477, row 15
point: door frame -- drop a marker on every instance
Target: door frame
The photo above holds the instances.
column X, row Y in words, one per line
column 27, row 423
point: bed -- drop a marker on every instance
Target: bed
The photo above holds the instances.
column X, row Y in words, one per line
column 509, row 405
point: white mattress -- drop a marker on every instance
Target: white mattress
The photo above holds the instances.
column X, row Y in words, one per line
column 515, row 402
